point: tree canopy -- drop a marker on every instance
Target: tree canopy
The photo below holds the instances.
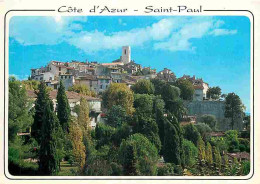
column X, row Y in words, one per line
column 186, row 87
column 214, row 93
column 233, row 108
column 119, row 94
column 143, row 87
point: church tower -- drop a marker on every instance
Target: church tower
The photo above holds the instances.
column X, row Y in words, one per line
column 126, row 54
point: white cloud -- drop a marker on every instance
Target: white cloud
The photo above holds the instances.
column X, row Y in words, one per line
column 219, row 32
column 172, row 34
column 19, row 77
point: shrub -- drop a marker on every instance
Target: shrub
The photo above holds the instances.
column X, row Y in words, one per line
column 190, row 153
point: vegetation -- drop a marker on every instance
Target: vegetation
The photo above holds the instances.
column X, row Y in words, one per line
column 140, row 137
column 143, row 87
column 82, row 89
column 233, row 108
column 119, row 94
column 214, row 93
column 186, row 87
column 63, row 107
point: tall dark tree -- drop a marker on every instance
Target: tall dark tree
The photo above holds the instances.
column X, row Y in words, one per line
column 144, row 121
column 233, row 108
column 159, row 112
column 48, row 155
column 40, row 103
column 63, row 107
column 116, row 116
column 173, row 142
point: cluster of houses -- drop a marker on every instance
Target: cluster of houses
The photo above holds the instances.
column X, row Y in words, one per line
column 98, row 76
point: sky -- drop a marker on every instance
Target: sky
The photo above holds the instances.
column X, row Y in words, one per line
column 214, row 48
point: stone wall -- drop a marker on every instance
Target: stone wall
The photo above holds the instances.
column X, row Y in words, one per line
column 216, row 108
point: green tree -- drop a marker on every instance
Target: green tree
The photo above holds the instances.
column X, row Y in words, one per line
column 214, row 93
column 208, row 154
column 48, row 156
column 204, row 131
column 217, row 158
column 83, row 118
column 210, row 120
column 143, row 87
column 201, row 148
column 78, row 147
column 231, row 138
column 104, row 134
column 172, row 143
column 63, row 107
column 40, row 103
column 158, row 85
column 119, row 94
column 138, row 156
column 159, row 116
column 233, row 108
column 191, row 133
column 19, row 114
column 190, row 152
column 116, row 116
column 82, row 89
column 186, row 87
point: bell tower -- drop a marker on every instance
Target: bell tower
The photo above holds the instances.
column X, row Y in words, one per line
column 126, row 54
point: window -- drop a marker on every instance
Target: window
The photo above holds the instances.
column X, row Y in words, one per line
column 41, row 78
column 50, row 78
column 59, row 68
column 101, row 86
column 125, row 51
column 65, row 77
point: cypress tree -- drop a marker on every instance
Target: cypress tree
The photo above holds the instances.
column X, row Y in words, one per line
column 201, row 148
column 40, row 103
column 48, row 156
column 217, row 158
column 172, row 144
column 209, row 154
column 63, row 107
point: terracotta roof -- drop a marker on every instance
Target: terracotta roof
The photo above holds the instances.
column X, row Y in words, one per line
column 217, row 134
column 70, row 95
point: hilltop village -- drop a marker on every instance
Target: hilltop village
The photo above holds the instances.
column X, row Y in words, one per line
column 123, row 119
column 98, row 76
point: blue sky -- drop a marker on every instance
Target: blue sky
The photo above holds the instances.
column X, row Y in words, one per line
column 216, row 49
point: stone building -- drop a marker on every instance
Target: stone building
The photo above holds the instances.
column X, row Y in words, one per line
column 74, row 99
column 167, row 75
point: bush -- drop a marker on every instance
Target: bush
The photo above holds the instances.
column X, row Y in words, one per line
column 190, row 153
column 231, row 137
column 210, row 120
column 204, row 131
column 138, row 156
column 191, row 133
column 244, row 145
column 245, row 168
column 166, row 170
